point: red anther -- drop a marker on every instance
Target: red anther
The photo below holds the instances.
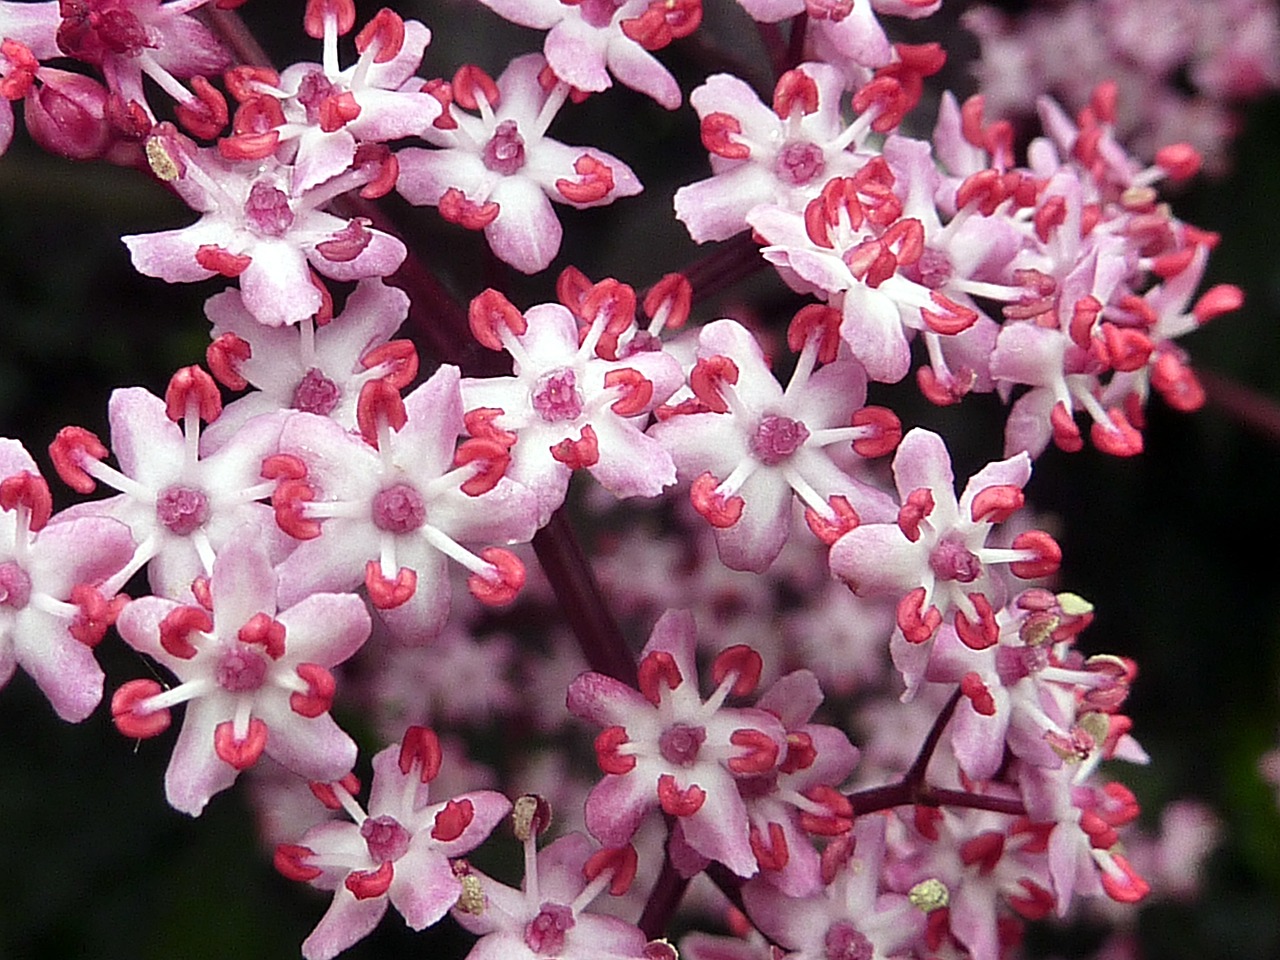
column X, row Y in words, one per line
column 1180, row 161
column 456, row 208
column 206, row 115
column 983, row 634
column 379, row 401
column 1052, row 213
column 470, row 83
column 917, row 624
column 580, row 454
column 1169, row 265
column 1037, row 834
column 983, row 851
column 69, row 449
column 192, row 385
column 923, row 59
column 1176, row 383
column 346, row 244
column 400, row 356
column 673, row 292
column 719, row 511
column 338, row 110
column 453, row 820
column 177, row 627
column 707, row 376
column 259, row 114
column 801, row 753
column 488, row 312
column 1066, row 433
column 1083, row 316
column 97, row 613
column 658, row 668
column 718, row 130
column 738, row 659
column 385, row 167
column 942, row 392
column 1103, row 101
column 572, row 287
column 1123, row 806
column 222, row 261
column 636, row 389
column 1118, row 437
column 243, row 82
column 761, row 755
column 202, row 591
column 491, row 459
column 774, row 855
column 500, row 587
column 871, row 262
column 908, row 234
column 22, row 69
column 818, row 219
column 816, row 320
column 1102, row 836
column 838, row 821
column 1048, row 555
column 480, row 423
column 327, row 793
column 1124, row 348
column 795, row 90
column 288, row 862
column 442, row 90
column 388, row 594
column 1118, row 725
column 261, row 629
column 621, row 860
column 595, row 185
column 608, row 758
column 612, row 301
column 664, row 21
column 954, row 318
column 971, row 686
column 240, row 754
column 367, row 884
column 28, row 490
column 676, row 802
column 926, row 820
column 289, row 502
column 985, row 188
column 890, row 96
column 910, row 515
column 1036, row 905
column 386, row 29
column 223, row 355
column 1126, row 885
column 831, row 530
column 343, row 12
column 249, row 146
column 1217, row 300
column 320, row 690
column 420, row 745
column 997, row 503
column 125, row 715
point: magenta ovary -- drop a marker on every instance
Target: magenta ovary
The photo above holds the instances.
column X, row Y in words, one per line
column 182, row 510
column 544, row 934
column 777, row 438
column 799, row 163
column 952, row 560
column 504, row 153
column 556, row 396
column 241, row 669
column 844, row 941
column 15, row 586
column 399, row 508
column 679, row 744
column 316, row 394
column 314, row 89
column 385, row 838
column 267, row 211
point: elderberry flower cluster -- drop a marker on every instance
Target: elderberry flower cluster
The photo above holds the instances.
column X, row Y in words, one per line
column 325, row 529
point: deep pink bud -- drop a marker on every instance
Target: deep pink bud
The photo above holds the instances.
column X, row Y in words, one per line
column 66, row 113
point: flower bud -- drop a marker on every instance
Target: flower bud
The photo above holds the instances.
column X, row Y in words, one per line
column 66, row 114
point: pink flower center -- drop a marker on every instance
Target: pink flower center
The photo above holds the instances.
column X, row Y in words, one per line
column 845, row 942
column 933, row 270
column 267, row 211
column 952, row 560
column 556, row 397
column 385, row 838
column 504, row 153
column 241, row 669
column 799, row 163
column 545, row 932
column 680, row 742
column 314, row 89
column 15, row 586
column 599, row 13
column 777, row 438
column 835, row 10
column 399, row 508
column 181, row 509
column 316, row 393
